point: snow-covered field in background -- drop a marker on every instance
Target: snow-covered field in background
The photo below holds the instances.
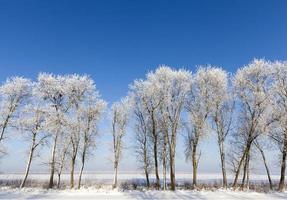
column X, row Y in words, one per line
column 105, row 178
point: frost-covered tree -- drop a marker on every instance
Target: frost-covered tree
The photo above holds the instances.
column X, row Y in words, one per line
column 162, row 96
column 78, row 89
column 198, row 107
column 31, row 124
column 91, row 112
column 221, row 111
column 142, row 147
column 52, row 90
column 179, row 85
column 251, row 84
column 278, row 121
column 120, row 113
column 147, row 93
column 12, row 94
column 173, row 88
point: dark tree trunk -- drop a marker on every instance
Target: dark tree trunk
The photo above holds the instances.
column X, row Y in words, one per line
column 156, row 162
column 172, row 171
column 164, row 156
column 194, row 165
column 146, row 163
column 5, row 126
column 164, row 168
column 283, row 169
column 283, row 165
column 223, row 168
column 237, row 173
column 29, row 162
column 73, row 161
column 172, row 145
column 155, row 141
column 82, row 168
column 59, row 180
column 244, row 172
column 147, row 178
column 248, row 172
column 52, row 172
column 266, row 166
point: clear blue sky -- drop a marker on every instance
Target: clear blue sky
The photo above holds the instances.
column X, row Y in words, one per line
column 118, row 41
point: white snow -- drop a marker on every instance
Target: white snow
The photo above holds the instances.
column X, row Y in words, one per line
column 6, row 193
column 105, row 179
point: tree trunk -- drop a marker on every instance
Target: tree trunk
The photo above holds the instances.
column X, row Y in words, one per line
column 164, row 171
column 164, row 161
column 223, row 168
column 244, row 177
column 194, row 165
column 172, row 164
column 115, row 181
column 51, row 181
column 5, row 126
column 147, row 178
column 59, row 180
column 80, row 175
column 156, row 163
column 283, row 165
column 244, row 172
column 61, row 167
column 248, row 171
column 239, row 166
column 154, row 134
column 82, row 169
column 29, row 162
column 266, row 167
column 73, row 161
column 146, row 164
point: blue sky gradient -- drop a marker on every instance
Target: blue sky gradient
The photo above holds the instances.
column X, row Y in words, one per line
column 118, row 41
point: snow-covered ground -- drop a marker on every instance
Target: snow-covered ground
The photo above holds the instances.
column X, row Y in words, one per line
column 6, row 193
column 105, row 192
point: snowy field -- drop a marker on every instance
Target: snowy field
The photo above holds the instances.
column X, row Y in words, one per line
column 113, row 194
column 93, row 192
column 107, row 177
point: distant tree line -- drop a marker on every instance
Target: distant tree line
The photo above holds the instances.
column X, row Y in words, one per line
column 246, row 112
